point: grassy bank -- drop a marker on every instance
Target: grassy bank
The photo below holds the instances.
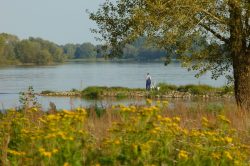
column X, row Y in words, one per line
column 163, row 91
column 133, row 135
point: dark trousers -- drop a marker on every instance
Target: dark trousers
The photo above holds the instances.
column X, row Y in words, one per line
column 148, row 83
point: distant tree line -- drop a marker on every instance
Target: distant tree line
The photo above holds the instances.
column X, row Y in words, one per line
column 137, row 51
column 41, row 52
column 29, row 51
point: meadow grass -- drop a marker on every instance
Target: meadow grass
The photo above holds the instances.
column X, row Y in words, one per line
column 150, row 134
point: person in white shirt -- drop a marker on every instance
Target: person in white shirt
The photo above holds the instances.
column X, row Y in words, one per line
column 148, row 81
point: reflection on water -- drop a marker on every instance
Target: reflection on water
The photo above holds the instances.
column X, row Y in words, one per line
column 11, row 101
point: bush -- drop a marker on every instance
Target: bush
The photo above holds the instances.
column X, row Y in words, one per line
column 93, row 92
column 45, row 92
column 118, row 89
column 166, row 87
column 120, row 95
column 227, row 89
column 196, row 89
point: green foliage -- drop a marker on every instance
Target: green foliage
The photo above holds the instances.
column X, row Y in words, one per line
column 119, row 92
column 30, row 51
column 197, row 89
column 206, row 35
column 160, row 90
column 166, row 87
column 30, row 139
column 132, row 135
column 227, row 89
column 93, row 92
column 46, row 92
column 86, row 50
column 28, row 99
column 41, row 52
column 117, row 88
column 7, row 49
column 121, row 95
column 69, row 50
column 176, row 26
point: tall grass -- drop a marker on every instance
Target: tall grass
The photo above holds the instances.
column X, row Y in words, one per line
column 150, row 134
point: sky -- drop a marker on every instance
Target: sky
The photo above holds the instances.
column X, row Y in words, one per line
column 60, row 21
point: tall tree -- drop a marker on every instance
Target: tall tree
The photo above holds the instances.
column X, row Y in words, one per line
column 86, row 50
column 7, row 49
column 224, row 23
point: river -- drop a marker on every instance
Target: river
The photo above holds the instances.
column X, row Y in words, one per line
column 79, row 75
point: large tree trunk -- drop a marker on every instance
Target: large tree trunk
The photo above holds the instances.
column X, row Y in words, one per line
column 240, row 56
column 241, row 65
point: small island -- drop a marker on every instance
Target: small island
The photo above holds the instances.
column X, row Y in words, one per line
column 161, row 91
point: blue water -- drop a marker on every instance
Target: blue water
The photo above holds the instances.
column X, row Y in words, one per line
column 81, row 75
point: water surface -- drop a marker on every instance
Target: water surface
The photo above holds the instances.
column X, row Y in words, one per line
column 83, row 74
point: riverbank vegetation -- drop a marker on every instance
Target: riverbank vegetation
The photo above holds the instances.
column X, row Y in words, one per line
column 37, row 51
column 32, row 51
column 151, row 134
column 162, row 90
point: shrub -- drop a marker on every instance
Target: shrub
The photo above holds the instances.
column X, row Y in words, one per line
column 121, row 95
column 45, row 92
column 166, row 87
column 227, row 89
column 93, row 92
column 196, row 89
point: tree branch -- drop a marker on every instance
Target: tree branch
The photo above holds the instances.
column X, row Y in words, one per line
column 217, row 35
column 213, row 16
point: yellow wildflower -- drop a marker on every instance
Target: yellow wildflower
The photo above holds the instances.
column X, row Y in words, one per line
column 204, row 120
column 66, row 164
column 224, row 119
column 159, row 117
column 228, row 139
column 51, row 117
column 183, row 155
column 34, row 109
column 117, row 142
column 166, row 119
column 41, row 150
column 228, row 155
column 54, row 150
column 158, row 103
column 67, row 112
column 82, row 110
column 42, row 120
column 71, row 138
column 157, row 129
column 216, row 156
column 236, row 162
column 177, row 119
column 149, row 101
column 185, row 131
column 153, row 131
column 47, row 154
column 15, row 153
column 165, row 103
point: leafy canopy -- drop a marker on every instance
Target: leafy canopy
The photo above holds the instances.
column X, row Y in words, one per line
column 175, row 26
